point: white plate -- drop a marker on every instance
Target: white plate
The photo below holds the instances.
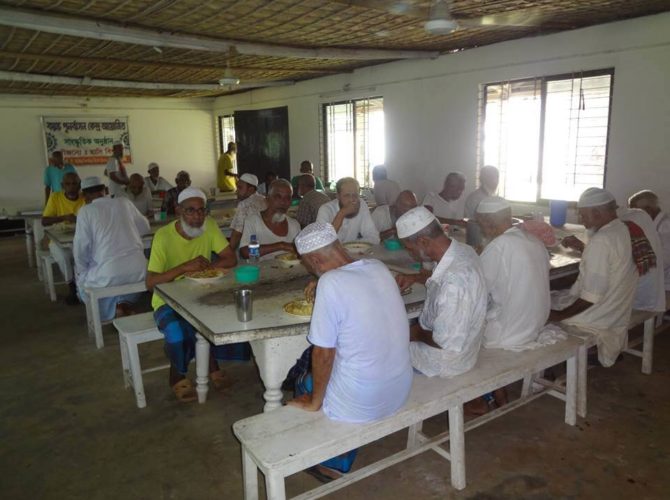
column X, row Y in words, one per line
column 358, row 247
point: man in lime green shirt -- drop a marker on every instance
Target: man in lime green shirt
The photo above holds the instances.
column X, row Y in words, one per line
column 184, row 246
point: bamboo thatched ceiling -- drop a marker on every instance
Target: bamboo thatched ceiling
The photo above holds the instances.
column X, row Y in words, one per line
column 172, row 43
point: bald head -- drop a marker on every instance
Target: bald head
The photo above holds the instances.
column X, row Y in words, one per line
column 405, row 201
column 646, row 200
column 71, row 185
column 495, row 224
column 136, row 184
column 488, row 178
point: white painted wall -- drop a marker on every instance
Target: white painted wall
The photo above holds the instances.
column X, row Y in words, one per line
column 431, row 106
column 177, row 134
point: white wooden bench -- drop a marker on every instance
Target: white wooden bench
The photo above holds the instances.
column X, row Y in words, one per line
column 93, row 320
column 133, row 331
column 648, row 318
column 288, row 440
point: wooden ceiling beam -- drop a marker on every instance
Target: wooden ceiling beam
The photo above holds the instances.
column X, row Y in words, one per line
column 105, row 30
column 159, row 65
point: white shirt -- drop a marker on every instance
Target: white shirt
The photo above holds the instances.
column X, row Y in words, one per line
column 454, row 209
column 143, row 201
column 608, row 279
column 650, row 294
column 359, row 311
column 161, row 184
column 662, row 222
column 516, row 268
column 255, row 225
column 357, row 228
column 115, row 189
column 382, row 218
column 455, row 311
column 252, row 205
column 472, row 201
column 386, row 192
column 107, row 245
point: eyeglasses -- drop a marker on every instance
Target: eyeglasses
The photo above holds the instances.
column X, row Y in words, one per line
column 193, row 211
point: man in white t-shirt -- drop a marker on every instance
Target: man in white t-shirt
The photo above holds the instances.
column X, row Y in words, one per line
column 386, row 190
column 154, row 181
column 488, row 186
column 648, row 201
column 274, row 230
column 348, row 214
column 249, row 202
column 385, row 216
column 449, row 204
column 137, row 192
column 116, row 170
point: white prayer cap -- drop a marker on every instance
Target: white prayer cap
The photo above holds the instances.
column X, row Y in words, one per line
column 316, row 235
column 249, row 179
column 91, row 181
column 151, row 166
column 492, row 205
column 413, row 221
column 190, row 192
column 594, row 197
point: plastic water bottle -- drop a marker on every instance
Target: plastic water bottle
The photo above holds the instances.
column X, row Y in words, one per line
column 254, row 250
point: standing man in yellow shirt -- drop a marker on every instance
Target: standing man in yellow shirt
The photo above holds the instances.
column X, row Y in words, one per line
column 226, row 174
column 62, row 206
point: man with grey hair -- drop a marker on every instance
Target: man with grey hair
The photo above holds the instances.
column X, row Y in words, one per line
column 516, row 269
column 601, row 299
column 139, row 194
column 448, row 205
column 310, row 200
column 348, row 214
column 274, row 230
column 648, row 201
column 488, row 186
column 446, row 340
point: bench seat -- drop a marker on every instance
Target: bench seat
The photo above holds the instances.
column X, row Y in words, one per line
column 288, row 440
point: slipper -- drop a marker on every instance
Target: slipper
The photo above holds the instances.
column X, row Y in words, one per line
column 318, row 475
column 184, row 391
column 219, row 380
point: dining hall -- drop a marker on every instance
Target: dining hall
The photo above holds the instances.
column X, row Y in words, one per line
column 344, row 249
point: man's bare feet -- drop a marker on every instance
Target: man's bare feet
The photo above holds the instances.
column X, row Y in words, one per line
column 476, row 407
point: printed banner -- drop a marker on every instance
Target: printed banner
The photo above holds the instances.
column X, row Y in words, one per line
column 86, row 140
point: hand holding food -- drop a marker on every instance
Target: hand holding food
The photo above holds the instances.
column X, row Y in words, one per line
column 405, row 280
column 310, row 291
column 573, row 242
column 197, row 264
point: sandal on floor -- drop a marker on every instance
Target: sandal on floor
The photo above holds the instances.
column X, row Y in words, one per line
column 184, row 391
column 220, row 381
column 316, row 473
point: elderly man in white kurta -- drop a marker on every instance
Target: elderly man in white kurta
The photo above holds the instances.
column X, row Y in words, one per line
column 447, row 339
column 648, row 201
column 516, row 268
column 650, row 293
column 108, row 247
column 348, row 214
column 449, row 204
column 274, row 230
column 601, row 299
column 248, row 202
column 385, row 216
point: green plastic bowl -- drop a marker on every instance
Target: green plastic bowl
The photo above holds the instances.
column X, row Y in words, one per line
column 392, row 244
column 247, row 274
column 295, row 203
column 416, row 266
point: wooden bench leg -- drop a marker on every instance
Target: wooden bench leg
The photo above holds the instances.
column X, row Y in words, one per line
column 201, row 367
column 457, row 447
column 571, row 391
column 413, row 435
column 527, row 386
column 49, row 278
column 250, row 476
column 274, row 486
column 648, row 346
column 582, row 367
column 125, row 366
column 136, row 373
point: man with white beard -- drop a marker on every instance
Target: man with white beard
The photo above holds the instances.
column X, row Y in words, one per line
column 183, row 246
column 274, row 230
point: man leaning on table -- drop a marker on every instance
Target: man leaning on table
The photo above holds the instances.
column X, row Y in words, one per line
column 601, row 299
column 186, row 245
column 446, row 340
column 348, row 214
column 62, row 207
column 359, row 331
column 274, row 230
column 108, row 248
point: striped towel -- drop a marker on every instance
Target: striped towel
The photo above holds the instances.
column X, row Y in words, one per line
column 643, row 255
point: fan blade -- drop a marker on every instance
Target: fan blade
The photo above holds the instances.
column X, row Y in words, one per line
column 409, row 8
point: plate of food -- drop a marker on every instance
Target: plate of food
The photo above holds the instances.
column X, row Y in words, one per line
column 288, row 259
column 299, row 307
column 358, row 247
column 206, row 276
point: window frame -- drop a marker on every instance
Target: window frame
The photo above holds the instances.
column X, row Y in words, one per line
column 543, row 96
column 222, row 142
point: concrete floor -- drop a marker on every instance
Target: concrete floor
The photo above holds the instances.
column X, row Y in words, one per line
column 69, row 429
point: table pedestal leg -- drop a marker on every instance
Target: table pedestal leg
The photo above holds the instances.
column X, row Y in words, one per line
column 201, row 367
column 274, row 357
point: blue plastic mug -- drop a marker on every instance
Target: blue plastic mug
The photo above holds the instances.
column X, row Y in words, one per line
column 558, row 212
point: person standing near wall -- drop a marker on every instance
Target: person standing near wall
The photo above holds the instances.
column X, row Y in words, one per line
column 116, row 171
column 54, row 173
column 226, row 175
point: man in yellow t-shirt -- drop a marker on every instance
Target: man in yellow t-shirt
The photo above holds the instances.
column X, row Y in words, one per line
column 183, row 246
column 62, row 207
column 226, row 177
